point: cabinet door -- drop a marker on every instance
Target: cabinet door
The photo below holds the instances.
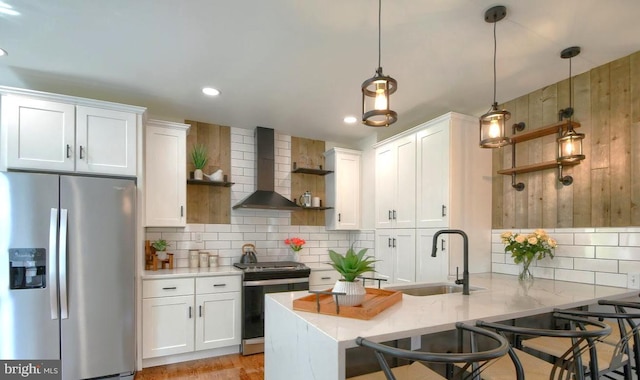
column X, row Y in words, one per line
column 218, row 320
column 167, row 326
column 106, row 141
column 433, row 176
column 384, row 254
column 165, row 176
column 428, row 268
column 40, row 134
column 404, row 246
column 348, row 191
column 404, row 210
column 385, row 185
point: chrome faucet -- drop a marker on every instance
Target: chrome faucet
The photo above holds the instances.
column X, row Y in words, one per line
column 465, row 272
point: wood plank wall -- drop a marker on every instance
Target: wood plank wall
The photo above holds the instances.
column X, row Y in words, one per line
column 209, row 204
column 307, row 153
column 606, row 185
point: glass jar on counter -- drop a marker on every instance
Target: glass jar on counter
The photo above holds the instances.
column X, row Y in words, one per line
column 194, row 260
column 213, row 260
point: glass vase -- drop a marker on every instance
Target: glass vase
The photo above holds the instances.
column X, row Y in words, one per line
column 525, row 273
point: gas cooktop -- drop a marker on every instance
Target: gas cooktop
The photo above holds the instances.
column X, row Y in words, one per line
column 273, row 270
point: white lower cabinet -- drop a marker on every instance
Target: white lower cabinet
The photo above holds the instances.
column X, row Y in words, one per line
column 185, row 315
column 396, row 255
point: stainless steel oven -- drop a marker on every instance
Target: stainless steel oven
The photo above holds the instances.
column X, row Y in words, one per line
column 260, row 279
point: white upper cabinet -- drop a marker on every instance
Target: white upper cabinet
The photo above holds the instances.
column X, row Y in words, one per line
column 49, row 132
column 343, row 189
column 165, row 174
column 106, row 141
column 396, row 183
column 40, row 134
column 433, row 176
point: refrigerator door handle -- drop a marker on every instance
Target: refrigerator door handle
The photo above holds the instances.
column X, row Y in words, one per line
column 64, row 309
column 53, row 272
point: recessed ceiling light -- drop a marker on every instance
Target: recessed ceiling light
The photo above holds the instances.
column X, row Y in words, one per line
column 210, row 91
column 350, row 119
column 3, row 52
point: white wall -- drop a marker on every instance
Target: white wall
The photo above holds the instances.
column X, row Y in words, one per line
column 601, row 256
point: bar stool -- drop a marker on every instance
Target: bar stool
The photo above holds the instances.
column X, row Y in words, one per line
column 621, row 307
column 613, row 352
column 472, row 363
column 568, row 366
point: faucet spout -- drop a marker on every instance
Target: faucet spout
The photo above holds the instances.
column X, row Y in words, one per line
column 465, row 272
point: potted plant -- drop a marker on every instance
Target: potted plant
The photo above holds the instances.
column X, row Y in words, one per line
column 199, row 159
column 160, row 246
column 350, row 266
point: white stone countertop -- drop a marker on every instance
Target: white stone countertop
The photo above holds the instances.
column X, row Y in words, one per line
column 224, row 270
column 503, row 298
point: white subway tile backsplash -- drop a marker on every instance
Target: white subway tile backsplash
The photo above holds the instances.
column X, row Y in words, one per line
column 620, row 253
column 542, row 272
column 498, row 258
column 629, row 266
column 596, row 239
column 630, row 239
column 575, row 276
column 218, row 227
column 556, row 262
column 576, row 251
column 243, row 228
column 611, row 279
column 563, row 239
column 230, row 236
column 506, row 268
column 217, row 244
column 596, row 265
column 176, row 236
column 194, row 228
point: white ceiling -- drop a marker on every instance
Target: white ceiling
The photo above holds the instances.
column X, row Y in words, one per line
column 297, row 65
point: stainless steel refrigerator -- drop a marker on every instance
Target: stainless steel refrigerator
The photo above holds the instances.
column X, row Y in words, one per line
column 67, row 248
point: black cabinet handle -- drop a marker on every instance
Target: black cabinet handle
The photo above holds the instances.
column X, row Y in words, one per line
column 181, row 211
column 325, row 278
column 442, row 247
column 394, row 242
column 200, row 310
column 68, row 151
column 189, row 312
column 81, row 152
column 389, row 242
column 390, row 215
column 339, row 217
column 169, row 288
column 217, row 285
column 444, row 210
column 394, row 215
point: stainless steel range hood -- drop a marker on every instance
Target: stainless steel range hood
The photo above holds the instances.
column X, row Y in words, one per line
column 265, row 197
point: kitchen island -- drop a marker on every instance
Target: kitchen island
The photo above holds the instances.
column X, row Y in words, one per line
column 304, row 345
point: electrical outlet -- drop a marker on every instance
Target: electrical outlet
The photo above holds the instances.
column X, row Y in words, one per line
column 197, row 237
column 633, row 280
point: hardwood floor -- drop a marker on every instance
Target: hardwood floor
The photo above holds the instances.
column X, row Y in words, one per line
column 228, row 367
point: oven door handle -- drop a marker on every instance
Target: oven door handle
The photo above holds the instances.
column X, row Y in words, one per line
column 278, row 281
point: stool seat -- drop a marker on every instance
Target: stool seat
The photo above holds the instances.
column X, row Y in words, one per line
column 413, row 371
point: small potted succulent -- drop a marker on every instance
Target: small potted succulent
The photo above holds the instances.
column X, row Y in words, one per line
column 199, row 159
column 350, row 266
column 160, row 246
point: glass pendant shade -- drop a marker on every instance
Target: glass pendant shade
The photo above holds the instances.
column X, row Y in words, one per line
column 492, row 128
column 570, row 146
column 376, row 96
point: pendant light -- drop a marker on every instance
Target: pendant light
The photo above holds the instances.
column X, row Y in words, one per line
column 570, row 142
column 492, row 123
column 376, row 92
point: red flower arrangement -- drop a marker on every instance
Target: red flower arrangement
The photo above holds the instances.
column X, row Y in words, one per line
column 295, row 243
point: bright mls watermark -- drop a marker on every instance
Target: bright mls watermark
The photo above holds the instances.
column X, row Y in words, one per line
column 30, row 369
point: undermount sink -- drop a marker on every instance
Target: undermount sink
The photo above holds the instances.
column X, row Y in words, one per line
column 434, row 289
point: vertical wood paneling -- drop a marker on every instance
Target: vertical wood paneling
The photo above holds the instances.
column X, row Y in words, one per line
column 606, row 187
column 600, row 146
column 634, row 90
column 549, row 146
column 497, row 182
column 581, row 186
column 307, row 153
column 534, row 180
column 209, row 204
column 521, row 197
column 620, row 158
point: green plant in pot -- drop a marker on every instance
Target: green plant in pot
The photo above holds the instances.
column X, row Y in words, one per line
column 350, row 266
column 160, row 246
column 199, row 158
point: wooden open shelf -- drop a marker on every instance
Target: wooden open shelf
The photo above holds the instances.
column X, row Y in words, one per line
column 535, row 167
column 526, row 136
column 311, row 171
column 316, row 208
column 209, row 183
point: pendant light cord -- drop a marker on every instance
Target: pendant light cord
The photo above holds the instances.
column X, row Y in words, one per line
column 495, row 49
column 570, row 91
column 379, row 31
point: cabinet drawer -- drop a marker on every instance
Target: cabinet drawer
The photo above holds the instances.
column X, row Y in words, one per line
column 323, row 277
column 167, row 287
column 218, row 284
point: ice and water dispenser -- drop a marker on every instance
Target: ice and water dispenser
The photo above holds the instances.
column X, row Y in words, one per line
column 27, row 268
